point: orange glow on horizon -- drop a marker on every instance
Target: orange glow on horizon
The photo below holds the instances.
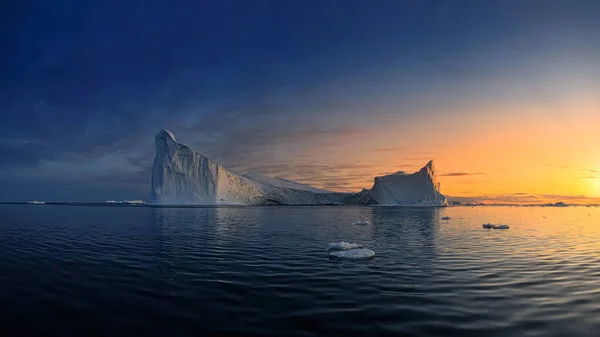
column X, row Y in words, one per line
column 491, row 153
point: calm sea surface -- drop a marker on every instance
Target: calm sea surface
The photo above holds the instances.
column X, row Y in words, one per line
column 104, row 271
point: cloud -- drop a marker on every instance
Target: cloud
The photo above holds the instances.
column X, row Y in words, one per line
column 459, row 174
column 425, row 159
column 563, row 167
column 336, row 184
column 525, row 198
column 233, row 133
column 391, row 149
column 588, row 177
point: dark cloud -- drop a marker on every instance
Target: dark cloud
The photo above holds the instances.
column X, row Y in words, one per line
column 459, row 174
column 388, row 172
column 18, row 153
column 336, row 184
column 564, row 197
column 424, row 159
column 525, row 198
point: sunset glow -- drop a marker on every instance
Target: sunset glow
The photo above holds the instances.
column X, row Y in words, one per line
column 506, row 102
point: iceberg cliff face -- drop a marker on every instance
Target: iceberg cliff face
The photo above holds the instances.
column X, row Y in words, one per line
column 420, row 188
column 183, row 176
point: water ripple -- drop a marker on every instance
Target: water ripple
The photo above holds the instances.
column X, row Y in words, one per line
column 69, row 271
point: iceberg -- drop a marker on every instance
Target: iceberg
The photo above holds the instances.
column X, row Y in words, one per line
column 181, row 175
column 491, row 226
column 353, row 254
column 402, row 189
column 343, row 245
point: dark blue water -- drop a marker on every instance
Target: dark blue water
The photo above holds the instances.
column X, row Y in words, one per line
column 103, row 271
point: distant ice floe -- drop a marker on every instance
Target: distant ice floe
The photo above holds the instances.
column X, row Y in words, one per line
column 362, row 223
column 491, row 226
column 343, row 245
column 353, row 254
column 133, row 202
column 446, row 218
column 349, row 251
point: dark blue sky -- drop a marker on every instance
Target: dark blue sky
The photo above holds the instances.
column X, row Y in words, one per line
column 85, row 85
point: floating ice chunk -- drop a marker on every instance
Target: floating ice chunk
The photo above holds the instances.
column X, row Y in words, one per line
column 446, row 218
column 362, row 222
column 343, row 245
column 353, row 254
column 490, row 226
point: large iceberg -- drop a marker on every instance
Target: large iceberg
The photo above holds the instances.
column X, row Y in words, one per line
column 182, row 176
column 420, row 189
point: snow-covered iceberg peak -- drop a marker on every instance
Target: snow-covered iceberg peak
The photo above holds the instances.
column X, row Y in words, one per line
column 165, row 134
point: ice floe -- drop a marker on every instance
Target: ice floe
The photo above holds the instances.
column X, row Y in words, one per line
column 343, row 245
column 353, row 254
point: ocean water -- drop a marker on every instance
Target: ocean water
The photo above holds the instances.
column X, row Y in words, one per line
column 265, row 271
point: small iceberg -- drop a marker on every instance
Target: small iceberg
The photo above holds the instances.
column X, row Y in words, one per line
column 353, row 254
column 446, row 218
column 362, row 222
column 490, row 226
column 343, row 245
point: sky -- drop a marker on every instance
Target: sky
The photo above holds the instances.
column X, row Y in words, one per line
column 503, row 95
